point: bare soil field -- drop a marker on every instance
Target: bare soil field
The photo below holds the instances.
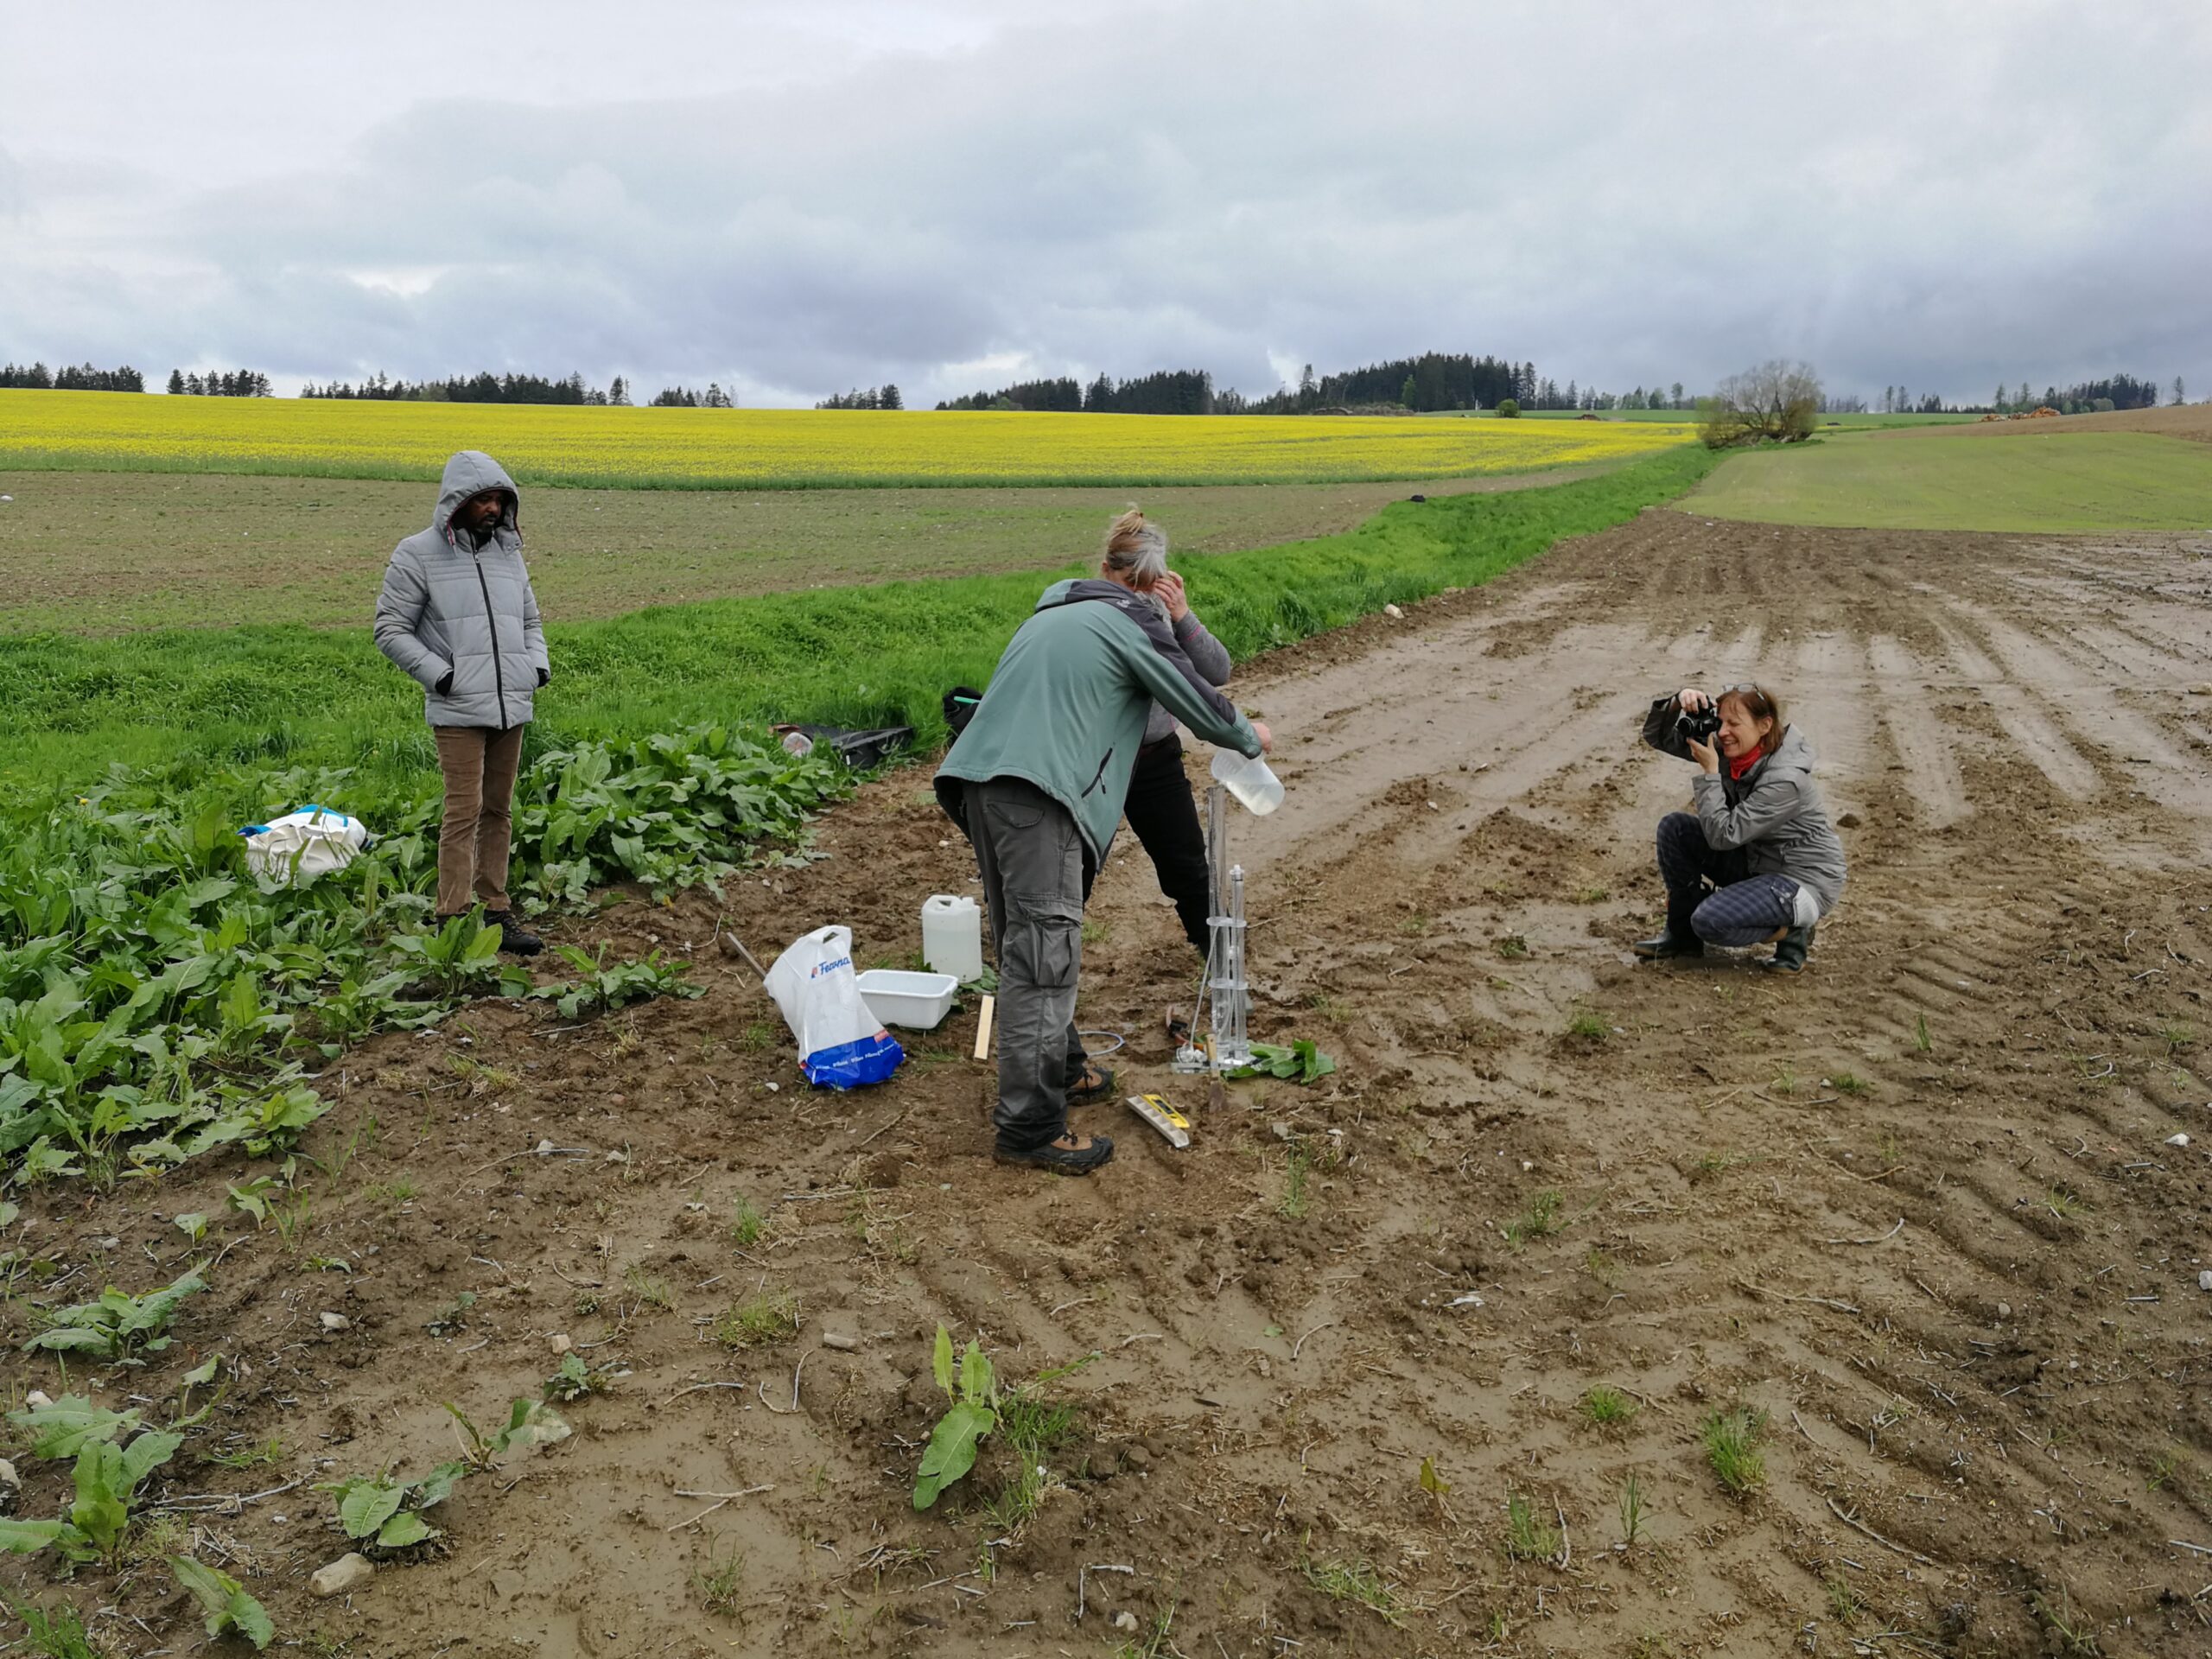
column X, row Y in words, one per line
column 113, row 552
column 1918, row 1212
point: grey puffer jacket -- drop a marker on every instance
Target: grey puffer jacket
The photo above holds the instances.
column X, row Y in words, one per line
column 1207, row 654
column 459, row 616
column 1774, row 811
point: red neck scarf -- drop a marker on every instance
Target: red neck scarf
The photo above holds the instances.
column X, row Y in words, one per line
column 1739, row 764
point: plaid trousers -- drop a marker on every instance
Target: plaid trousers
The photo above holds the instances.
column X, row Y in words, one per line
column 1743, row 909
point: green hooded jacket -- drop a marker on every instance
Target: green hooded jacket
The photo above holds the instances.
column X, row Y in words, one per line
column 1068, row 703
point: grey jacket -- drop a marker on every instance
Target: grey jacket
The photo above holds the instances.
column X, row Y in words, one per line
column 459, row 617
column 1774, row 811
column 1207, row 654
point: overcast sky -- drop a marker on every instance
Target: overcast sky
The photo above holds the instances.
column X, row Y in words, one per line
column 793, row 199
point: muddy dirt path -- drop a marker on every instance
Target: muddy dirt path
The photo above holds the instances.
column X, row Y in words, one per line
column 1918, row 1206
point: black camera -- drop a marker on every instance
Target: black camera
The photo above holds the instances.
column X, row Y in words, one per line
column 1699, row 728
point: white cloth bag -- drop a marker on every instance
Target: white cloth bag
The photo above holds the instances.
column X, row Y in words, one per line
column 304, row 844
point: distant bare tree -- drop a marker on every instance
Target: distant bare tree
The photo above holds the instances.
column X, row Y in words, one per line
column 1773, row 403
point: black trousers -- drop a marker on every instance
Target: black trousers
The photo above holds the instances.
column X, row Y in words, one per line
column 1164, row 814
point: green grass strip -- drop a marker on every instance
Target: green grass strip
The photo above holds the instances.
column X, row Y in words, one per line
column 859, row 657
column 2019, row 479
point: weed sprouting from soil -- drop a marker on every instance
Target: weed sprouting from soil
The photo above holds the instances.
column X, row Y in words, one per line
column 647, row 1291
column 1297, row 1163
column 1921, row 1041
column 2066, row 1622
column 1356, row 1581
column 1513, row 947
column 1843, row 1603
column 1589, row 1028
column 720, row 1581
column 1732, row 1446
column 250, row 1457
column 2064, row 1203
column 1153, row 1641
column 1528, row 1537
column 58, row 1633
column 1631, row 1510
column 1607, row 1407
column 1601, row 1267
column 1537, row 1220
column 1849, row 1082
column 755, row 1323
column 747, row 1224
column 1785, row 1082
column 759, row 1036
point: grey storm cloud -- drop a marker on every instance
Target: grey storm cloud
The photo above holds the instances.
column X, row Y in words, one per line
column 955, row 195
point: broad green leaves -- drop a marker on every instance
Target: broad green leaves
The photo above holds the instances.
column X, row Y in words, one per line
column 1301, row 1062
column 366, row 1505
column 229, row 1610
column 155, row 998
column 106, row 1477
column 119, row 1325
column 60, row 1429
column 974, row 1412
column 602, row 988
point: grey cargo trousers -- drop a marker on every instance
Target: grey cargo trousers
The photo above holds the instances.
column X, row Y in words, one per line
column 1030, row 857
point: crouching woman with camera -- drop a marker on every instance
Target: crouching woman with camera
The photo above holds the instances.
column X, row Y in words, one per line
column 1760, row 835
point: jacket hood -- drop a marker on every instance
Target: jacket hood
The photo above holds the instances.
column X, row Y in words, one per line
column 1073, row 590
column 471, row 472
column 1795, row 754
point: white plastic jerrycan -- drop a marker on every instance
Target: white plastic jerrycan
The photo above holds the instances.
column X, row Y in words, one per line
column 952, row 937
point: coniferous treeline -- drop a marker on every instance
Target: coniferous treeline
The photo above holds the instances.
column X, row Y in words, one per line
column 84, row 377
column 1168, row 392
column 482, row 388
column 2089, row 397
column 227, row 383
column 886, row 396
column 683, row 398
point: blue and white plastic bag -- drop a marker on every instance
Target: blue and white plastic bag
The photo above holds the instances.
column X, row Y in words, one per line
column 304, row 844
column 840, row 1043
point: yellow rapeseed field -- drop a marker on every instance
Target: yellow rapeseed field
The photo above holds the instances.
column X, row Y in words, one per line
column 748, row 448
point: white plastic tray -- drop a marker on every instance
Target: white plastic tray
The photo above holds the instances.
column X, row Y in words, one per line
column 919, row 1002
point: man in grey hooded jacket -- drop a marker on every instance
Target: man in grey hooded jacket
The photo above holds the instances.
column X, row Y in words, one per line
column 458, row 615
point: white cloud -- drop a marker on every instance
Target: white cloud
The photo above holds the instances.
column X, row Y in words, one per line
column 799, row 199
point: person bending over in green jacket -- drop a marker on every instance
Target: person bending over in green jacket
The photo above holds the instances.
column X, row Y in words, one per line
column 458, row 614
column 1037, row 782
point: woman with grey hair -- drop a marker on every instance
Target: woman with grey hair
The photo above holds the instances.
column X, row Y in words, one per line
column 1160, row 806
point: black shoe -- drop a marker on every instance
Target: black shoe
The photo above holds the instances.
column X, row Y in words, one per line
column 1058, row 1159
column 1791, row 952
column 514, row 938
column 1079, row 1091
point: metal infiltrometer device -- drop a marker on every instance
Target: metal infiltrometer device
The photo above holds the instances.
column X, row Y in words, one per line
column 1225, row 994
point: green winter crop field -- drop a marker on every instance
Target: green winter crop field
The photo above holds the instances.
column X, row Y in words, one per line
column 857, row 655
column 2008, row 480
column 115, row 552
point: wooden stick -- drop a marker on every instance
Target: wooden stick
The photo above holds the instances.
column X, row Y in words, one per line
column 1886, row 1543
column 983, row 1029
column 727, row 1497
